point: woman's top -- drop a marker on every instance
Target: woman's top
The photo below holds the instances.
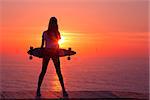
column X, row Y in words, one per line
column 51, row 39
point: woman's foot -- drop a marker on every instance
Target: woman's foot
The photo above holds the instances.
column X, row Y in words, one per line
column 38, row 93
column 65, row 94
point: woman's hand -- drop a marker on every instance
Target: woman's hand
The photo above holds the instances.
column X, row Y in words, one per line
column 42, row 46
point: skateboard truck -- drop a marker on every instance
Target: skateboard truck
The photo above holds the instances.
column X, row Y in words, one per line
column 69, row 58
column 30, row 57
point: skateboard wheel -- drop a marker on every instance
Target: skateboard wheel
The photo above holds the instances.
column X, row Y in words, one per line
column 69, row 49
column 69, row 58
column 31, row 47
column 30, row 57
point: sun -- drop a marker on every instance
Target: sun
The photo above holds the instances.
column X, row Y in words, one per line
column 62, row 40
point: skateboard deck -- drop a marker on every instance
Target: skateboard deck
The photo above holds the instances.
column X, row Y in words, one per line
column 43, row 52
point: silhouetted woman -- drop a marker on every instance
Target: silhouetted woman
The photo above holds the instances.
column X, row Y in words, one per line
column 50, row 38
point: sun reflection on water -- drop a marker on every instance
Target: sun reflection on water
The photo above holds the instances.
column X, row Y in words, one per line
column 55, row 84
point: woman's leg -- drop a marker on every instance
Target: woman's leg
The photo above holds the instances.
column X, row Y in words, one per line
column 43, row 71
column 58, row 71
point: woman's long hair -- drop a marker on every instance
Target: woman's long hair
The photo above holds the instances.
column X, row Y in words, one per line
column 53, row 27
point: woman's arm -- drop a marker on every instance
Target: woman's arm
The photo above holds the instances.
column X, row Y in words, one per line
column 42, row 44
column 58, row 34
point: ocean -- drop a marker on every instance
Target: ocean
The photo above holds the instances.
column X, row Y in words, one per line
column 80, row 74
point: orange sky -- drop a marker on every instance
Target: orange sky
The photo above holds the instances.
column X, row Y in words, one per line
column 98, row 27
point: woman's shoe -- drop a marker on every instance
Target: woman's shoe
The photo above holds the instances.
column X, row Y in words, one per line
column 65, row 94
column 38, row 93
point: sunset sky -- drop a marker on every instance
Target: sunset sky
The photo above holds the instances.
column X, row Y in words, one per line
column 101, row 27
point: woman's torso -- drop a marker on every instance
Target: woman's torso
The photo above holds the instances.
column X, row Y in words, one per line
column 51, row 40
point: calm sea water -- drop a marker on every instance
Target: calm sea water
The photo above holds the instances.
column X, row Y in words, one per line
column 96, row 74
column 102, row 63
